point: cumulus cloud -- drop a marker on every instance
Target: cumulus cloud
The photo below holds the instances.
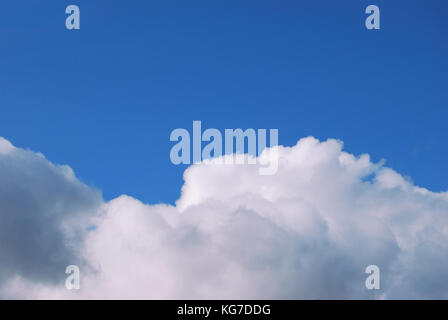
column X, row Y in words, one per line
column 307, row 232
column 43, row 210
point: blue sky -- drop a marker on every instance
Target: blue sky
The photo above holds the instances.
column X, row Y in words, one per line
column 104, row 99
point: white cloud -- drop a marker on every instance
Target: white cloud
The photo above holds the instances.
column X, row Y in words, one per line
column 307, row 232
column 5, row 146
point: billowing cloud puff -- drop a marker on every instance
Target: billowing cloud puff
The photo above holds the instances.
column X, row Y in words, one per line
column 307, row 232
column 43, row 211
